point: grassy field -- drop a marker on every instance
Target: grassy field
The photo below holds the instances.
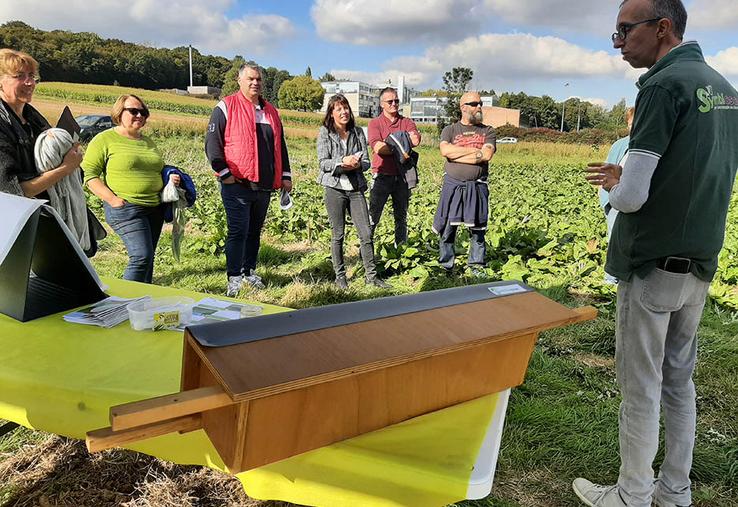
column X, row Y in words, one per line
column 546, row 228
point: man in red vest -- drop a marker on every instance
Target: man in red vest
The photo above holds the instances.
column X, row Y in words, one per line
column 246, row 148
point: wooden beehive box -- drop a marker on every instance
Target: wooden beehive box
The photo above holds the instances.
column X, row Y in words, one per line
column 266, row 400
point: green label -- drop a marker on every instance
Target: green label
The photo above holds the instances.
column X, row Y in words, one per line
column 166, row 319
column 711, row 100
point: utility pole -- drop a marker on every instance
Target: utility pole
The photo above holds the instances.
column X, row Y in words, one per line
column 191, row 84
column 579, row 111
column 563, row 108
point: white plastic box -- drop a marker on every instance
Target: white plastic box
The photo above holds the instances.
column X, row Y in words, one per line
column 160, row 313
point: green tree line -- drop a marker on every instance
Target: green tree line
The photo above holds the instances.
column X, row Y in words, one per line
column 88, row 58
column 545, row 112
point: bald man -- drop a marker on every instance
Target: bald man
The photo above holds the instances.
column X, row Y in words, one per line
column 467, row 146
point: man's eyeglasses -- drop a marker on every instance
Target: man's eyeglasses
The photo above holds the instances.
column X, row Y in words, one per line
column 26, row 76
column 393, row 101
column 136, row 111
column 625, row 28
column 473, row 104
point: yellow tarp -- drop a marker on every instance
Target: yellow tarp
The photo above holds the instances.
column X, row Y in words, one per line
column 62, row 378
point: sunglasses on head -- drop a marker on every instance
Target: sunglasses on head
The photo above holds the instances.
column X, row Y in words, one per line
column 393, row 101
column 473, row 104
column 136, row 111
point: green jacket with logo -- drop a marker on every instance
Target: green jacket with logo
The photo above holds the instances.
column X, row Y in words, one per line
column 686, row 117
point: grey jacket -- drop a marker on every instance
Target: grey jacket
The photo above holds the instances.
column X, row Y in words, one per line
column 331, row 153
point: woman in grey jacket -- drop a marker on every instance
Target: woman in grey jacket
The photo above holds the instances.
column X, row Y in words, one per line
column 343, row 158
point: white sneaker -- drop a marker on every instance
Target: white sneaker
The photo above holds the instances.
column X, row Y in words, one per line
column 234, row 286
column 595, row 495
column 253, row 280
column 609, row 279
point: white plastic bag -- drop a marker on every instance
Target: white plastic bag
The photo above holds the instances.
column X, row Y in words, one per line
column 170, row 193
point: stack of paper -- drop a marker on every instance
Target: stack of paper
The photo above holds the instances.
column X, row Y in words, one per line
column 106, row 313
column 210, row 310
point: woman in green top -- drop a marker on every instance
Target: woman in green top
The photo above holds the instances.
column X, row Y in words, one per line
column 123, row 168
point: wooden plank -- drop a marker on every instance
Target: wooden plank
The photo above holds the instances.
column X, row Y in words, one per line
column 141, row 413
column 226, row 426
column 106, row 438
column 585, row 313
column 253, row 370
column 191, row 364
column 294, row 422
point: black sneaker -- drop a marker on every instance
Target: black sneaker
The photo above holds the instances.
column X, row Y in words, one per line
column 379, row 283
column 341, row 282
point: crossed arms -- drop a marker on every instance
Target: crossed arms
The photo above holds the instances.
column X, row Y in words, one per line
column 467, row 154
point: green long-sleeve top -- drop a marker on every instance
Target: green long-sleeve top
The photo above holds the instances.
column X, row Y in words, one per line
column 131, row 168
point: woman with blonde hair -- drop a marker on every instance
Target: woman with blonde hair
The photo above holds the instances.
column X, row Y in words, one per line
column 123, row 168
column 20, row 125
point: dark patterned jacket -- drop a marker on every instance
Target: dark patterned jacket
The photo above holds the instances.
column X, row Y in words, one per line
column 16, row 147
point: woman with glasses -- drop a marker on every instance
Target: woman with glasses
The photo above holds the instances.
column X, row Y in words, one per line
column 343, row 157
column 123, row 168
column 20, row 126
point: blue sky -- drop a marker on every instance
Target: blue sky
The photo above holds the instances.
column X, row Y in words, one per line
column 535, row 46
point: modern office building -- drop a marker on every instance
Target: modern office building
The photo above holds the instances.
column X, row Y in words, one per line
column 430, row 109
column 363, row 97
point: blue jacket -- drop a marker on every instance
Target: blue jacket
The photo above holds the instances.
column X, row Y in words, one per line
column 402, row 148
column 186, row 183
column 462, row 203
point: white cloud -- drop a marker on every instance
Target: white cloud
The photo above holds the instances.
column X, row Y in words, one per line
column 384, row 22
column 589, row 16
column 497, row 61
column 725, row 62
column 173, row 23
column 596, row 101
column 713, row 14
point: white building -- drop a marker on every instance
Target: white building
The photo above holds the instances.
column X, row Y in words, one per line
column 429, row 109
column 363, row 97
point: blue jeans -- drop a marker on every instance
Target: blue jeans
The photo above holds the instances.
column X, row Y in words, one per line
column 139, row 227
column 246, row 211
column 477, row 247
column 655, row 354
column 338, row 202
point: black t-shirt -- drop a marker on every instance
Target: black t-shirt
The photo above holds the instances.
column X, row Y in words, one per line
column 473, row 136
column 265, row 144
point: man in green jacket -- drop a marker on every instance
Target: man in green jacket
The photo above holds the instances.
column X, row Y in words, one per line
column 672, row 194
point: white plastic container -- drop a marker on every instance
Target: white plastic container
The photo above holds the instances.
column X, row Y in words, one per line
column 251, row 310
column 160, row 313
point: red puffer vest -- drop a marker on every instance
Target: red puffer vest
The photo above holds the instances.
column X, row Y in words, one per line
column 241, row 147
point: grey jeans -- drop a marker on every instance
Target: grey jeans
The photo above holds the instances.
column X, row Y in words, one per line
column 338, row 202
column 656, row 349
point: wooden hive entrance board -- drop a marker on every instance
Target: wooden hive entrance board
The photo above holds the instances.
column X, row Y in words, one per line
column 267, row 400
